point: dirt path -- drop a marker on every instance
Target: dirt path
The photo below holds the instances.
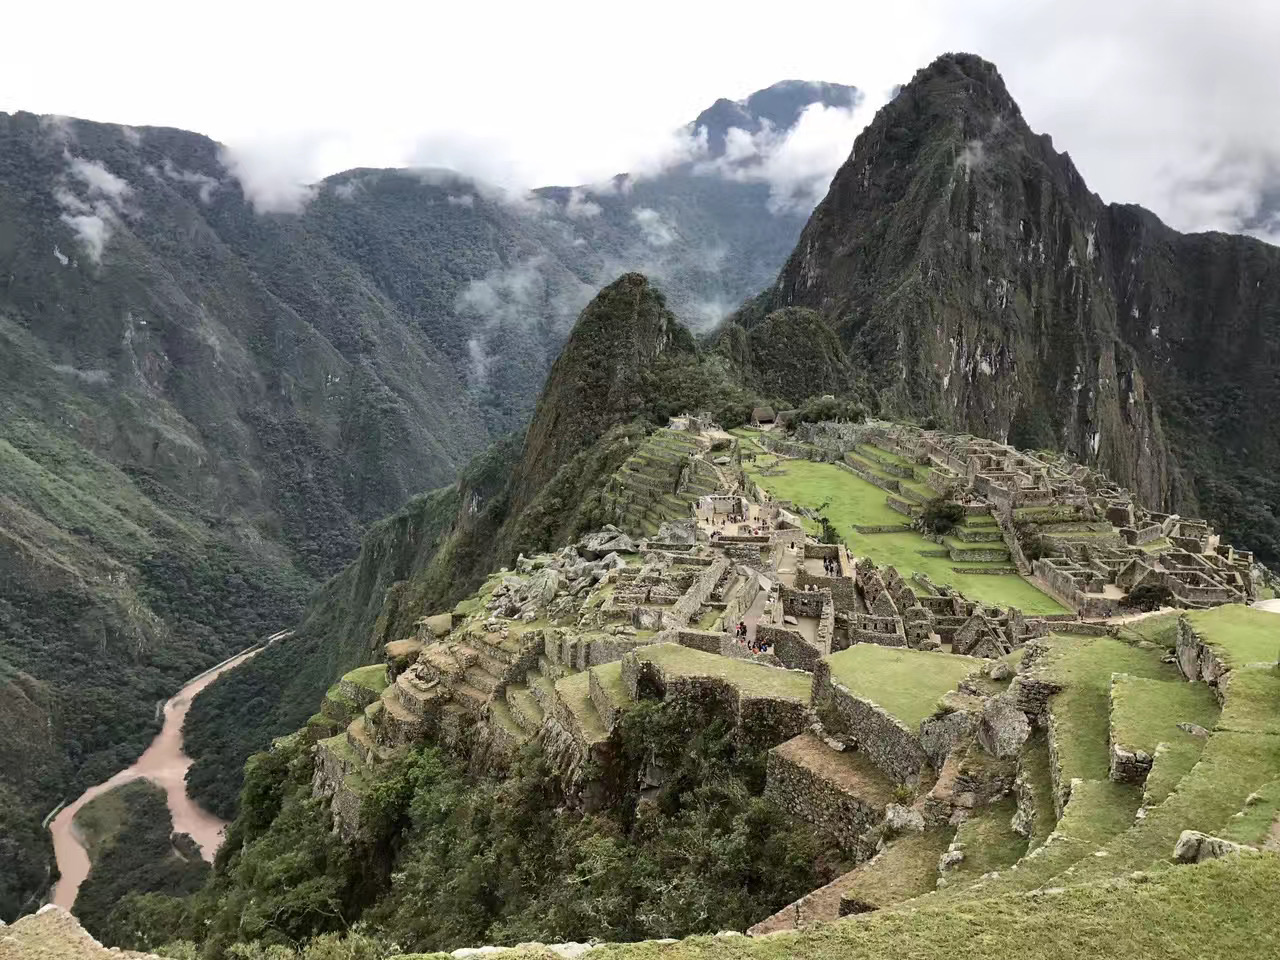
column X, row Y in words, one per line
column 163, row 763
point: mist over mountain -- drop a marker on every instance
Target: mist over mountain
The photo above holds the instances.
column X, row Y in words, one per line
column 212, row 380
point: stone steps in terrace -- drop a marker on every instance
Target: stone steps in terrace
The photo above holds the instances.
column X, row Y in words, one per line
column 469, row 698
column 394, row 725
column 541, row 687
column 608, row 693
column 480, row 678
column 573, row 693
column 906, row 868
column 524, row 707
column 505, row 724
column 415, row 695
column 972, row 535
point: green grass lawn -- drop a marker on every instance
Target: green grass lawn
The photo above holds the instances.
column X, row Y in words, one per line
column 1145, row 715
column 1232, row 766
column 1243, row 634
column 372, row 677
column 753, row 679
column 988, row 840
column 575, row 691
column 1034, row 762
column 906, row 868
column 1081, row 712
column 854, row 502
column 609, row 676
column 907, row 683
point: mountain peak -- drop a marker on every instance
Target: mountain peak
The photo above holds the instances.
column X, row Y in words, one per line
column 779, row 106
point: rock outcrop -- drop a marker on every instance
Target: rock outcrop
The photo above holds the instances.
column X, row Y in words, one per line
column 966, row 266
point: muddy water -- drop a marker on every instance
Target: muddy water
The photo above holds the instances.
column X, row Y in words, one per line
column 163, row 763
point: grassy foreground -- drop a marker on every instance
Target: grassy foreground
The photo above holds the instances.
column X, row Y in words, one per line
column 907, row 683
column 1231, row 903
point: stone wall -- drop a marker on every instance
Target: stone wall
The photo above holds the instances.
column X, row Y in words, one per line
column 844, row 594
column 1198, row 661
column 688, row 605
column 791, row 649
column 885, row 740
column 847, row 819
column 759, row 722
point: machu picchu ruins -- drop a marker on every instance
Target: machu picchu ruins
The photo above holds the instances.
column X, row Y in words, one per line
column 965, row 718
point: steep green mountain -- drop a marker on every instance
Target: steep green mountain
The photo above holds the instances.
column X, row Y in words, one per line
column 209, row 393
column 970, row 273
column 627, row 367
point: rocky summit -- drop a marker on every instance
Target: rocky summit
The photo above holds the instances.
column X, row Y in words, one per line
column 968, row 269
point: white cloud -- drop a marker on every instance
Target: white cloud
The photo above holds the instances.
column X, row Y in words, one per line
column 1160, row 102
column 506, row 294
column 206, row 183
column 578, row 207
column 95, row 207
column 657, row 231
column 99, row 181
column 463, row 200
column 270, row 177
column 972, row 156
column 798, row 163
column 92, row 231
column 347, row 189
column 96, row 377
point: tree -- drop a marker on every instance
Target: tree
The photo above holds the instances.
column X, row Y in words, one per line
column 941, row 516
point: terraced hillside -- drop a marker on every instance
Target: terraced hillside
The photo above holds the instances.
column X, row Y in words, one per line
column 857, row 503
column 661, row 481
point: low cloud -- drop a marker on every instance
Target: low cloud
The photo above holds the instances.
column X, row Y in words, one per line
column 507, row 294
column 972, row 156
column 463, row 200
column 93, row 201
column 536, row 293
column 578, row 207
column 657, row 231
column 269, row 177
column 203, row 181
column 95, row 377
column 797, row 163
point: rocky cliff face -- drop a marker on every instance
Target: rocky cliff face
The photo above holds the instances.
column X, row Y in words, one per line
column 967, row 267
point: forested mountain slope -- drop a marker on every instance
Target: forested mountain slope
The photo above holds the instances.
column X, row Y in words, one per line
column 628, row 365
column 208, row 395
column 973, row 276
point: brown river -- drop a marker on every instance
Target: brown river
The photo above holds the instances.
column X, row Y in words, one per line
column 163, row 763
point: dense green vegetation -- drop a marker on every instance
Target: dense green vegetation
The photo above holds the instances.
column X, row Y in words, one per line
column 128, row 835
column 628, row 367
column 501, row 861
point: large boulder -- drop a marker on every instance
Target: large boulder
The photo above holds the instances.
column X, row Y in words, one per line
column 544, row 586
column 594, row 546
column 678, row 531
column 1003, row 728
column 1195, row 847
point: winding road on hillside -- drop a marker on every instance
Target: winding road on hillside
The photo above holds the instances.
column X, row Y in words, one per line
column 164, row 764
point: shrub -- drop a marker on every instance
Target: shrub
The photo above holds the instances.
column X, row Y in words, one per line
column 941, row 516
column 1148, row 596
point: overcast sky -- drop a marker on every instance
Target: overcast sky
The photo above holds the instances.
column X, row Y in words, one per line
column 1167, row 103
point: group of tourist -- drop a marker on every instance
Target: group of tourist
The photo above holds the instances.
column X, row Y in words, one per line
column 753, row 644
column 831, row 565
